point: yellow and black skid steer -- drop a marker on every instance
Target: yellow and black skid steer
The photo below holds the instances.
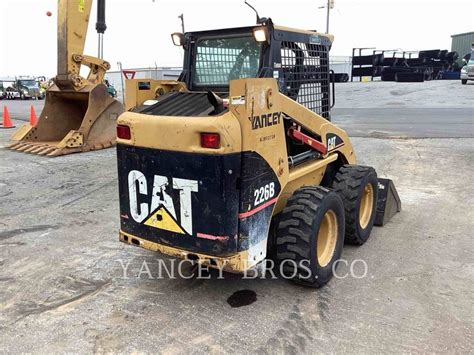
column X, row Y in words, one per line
column 79, row 115
column 238, row 159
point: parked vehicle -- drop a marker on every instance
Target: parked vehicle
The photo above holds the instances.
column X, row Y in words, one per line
column 2, row 91
column 110, row 88
column 467, row 71
column 10, row 92
column 23, row 88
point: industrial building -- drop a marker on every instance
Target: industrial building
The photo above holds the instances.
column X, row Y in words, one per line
column 462, row 43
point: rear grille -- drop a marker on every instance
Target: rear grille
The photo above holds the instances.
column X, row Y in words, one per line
column 180, row 104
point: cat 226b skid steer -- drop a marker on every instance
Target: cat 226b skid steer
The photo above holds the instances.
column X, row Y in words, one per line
column 238, row 159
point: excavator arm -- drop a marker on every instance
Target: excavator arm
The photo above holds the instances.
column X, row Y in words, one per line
column 73, row 20
column 79, row 115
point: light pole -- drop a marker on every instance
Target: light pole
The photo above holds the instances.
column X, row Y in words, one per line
column 329, row 6
column 327, row 16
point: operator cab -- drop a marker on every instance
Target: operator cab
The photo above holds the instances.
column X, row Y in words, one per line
column 298, row 60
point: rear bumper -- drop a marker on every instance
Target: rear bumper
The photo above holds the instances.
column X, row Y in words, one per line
column 237, row 263
column 466, row 76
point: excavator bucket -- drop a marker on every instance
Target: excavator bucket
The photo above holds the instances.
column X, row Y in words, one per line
column 71, row 122
column 79, row 115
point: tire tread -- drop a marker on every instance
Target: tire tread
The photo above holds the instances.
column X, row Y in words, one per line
column 295, row 228
column 346, row 183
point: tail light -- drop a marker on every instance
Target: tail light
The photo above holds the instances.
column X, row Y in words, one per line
column 123, row 132
column 210, row 140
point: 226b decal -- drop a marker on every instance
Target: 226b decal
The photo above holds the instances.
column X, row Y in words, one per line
column 264, row 193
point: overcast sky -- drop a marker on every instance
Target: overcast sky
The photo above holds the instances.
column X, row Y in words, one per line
column 138, row 31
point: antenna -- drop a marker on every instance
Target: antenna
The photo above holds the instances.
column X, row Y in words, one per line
column 260, row 20
column 181, row 17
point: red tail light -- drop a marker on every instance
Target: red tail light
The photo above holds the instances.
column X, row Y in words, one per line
column 210, row 140
column 123, row 132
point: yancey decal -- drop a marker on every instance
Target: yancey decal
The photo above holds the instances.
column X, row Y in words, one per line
column 265, row 120
column 160, row 212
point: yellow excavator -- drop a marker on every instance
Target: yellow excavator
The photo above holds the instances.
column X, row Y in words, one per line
column 79, row 115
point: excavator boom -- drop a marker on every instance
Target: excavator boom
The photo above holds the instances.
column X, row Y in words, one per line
column 79, row 115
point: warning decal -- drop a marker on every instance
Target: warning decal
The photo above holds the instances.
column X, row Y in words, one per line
column 162, row 219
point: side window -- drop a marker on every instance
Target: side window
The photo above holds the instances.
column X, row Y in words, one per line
column 292, row 58
column 288, row 58
column 305, row 68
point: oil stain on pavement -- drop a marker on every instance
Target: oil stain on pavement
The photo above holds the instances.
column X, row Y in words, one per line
column 242, row 298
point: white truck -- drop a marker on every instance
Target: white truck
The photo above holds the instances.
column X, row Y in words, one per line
column 467, row 71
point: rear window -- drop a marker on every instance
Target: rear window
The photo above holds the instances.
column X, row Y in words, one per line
column 144, row 85
column 219, row 60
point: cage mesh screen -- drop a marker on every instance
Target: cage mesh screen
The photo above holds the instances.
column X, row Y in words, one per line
column 221, row 60
column 305, row 68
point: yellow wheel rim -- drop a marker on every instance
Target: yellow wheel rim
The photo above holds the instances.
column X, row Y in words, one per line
column 327, row 238
column 366, row 206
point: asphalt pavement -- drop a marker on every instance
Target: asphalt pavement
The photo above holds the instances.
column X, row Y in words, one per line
column 68, row 285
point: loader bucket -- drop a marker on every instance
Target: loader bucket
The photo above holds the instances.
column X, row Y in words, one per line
column 71, row 122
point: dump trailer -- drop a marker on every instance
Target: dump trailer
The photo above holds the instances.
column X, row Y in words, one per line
column 238, row 160
column 79, row 115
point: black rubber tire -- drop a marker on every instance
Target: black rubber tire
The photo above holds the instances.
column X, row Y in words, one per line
column 297, row 235
column 464, row 81
column 349, row 183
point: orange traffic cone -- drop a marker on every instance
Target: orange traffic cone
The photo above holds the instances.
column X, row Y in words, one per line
column 7, row 122
column 33, row 118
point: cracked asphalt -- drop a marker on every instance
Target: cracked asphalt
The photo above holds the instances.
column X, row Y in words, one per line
column 63, row 287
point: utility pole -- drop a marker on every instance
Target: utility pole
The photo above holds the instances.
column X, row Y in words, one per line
column 119, row 65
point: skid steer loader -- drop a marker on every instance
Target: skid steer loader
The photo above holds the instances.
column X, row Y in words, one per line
column 238, row 159
column 79, row 115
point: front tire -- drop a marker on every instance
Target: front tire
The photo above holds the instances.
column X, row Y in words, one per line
column 310, row 235
column 464, row 81
column 358, row 188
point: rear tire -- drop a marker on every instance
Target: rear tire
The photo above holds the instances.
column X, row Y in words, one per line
column 310, row 235
column 358, row 188
column 464, row 81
